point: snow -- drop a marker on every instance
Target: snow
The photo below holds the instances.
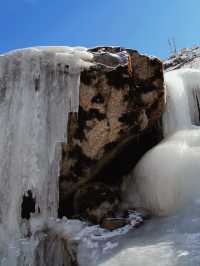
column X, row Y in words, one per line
column 109, row 245
column 168, row 241
column 186, row 58
column 111, row 60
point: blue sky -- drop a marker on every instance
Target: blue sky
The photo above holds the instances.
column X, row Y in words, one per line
column 144, row 25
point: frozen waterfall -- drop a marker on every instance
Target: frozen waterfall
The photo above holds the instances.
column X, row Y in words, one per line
column 167, row 177
column 38, row 88
column 167, row 182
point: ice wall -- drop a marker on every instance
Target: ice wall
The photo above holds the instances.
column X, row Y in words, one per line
column 167, row 177
column 38, row 88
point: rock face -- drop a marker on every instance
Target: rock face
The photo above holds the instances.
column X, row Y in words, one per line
column 121, row 102
column 95, row 201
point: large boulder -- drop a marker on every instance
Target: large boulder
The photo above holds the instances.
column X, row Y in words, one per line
column 96, row 201
column 121, row 102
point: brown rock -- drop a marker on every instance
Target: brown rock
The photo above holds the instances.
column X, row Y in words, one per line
column 121, row 101
column 132, row 218
column 96, row 201
column 114, row 223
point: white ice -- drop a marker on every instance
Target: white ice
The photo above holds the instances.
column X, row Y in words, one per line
column 38, row 88
column 166, row 241
column 167, row 177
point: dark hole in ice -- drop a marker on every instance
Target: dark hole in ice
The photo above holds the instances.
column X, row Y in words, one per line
column 198, row 107
column 37, row 84
column 2, row 93
column 28, row 205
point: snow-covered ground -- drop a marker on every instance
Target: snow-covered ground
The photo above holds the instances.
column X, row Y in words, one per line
column 170, row 241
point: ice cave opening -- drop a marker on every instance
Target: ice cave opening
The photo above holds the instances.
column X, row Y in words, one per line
column 28, row 205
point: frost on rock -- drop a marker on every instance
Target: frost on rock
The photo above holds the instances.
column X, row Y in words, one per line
column 185, row 58
column 38, row 88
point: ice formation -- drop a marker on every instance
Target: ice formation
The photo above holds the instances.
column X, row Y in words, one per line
column 167, row 241
column 166, row 181
column 167, row 177
column 38, row 88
